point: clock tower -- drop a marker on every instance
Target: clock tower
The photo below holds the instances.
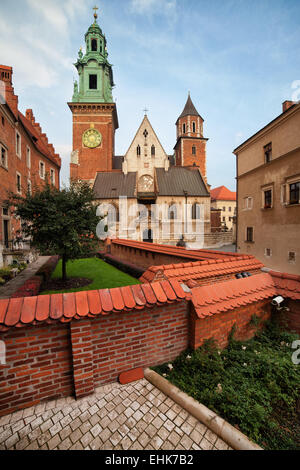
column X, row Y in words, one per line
column 95, row 118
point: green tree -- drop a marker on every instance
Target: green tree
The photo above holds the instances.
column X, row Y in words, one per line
column 59, row 221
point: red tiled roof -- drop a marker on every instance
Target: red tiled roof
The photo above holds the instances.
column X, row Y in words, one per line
column 179, row 251
column 287, row 285
column 209, row 300
column 201, row 269
column 223, row 194
column 20, row 312
column 37, row 141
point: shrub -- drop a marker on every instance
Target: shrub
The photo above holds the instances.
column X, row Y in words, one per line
column 253, row 385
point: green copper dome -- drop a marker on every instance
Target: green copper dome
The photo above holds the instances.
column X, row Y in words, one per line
column 95, row 72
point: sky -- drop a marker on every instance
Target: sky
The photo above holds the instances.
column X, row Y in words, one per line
column 238, row 58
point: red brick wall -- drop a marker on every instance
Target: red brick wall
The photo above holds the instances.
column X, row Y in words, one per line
column 292, row 317
column 59, row 360
column 139, row 339
column 143, row 258
column 220, row 325
column 38, row 366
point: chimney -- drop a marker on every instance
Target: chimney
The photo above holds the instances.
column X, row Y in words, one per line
column 286, row 105
column 6, row 89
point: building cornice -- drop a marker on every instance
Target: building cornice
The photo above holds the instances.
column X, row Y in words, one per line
column 268, row 128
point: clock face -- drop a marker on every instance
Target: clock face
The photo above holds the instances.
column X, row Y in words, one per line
column 91, row 138
column 146, row 183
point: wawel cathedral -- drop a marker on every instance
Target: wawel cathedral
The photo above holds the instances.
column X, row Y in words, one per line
column 173, row 187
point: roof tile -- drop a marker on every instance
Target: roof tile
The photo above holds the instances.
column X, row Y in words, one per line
column 42, row 308
column 117, row 299
column 28, row 309
column 95, row 307
column 13, row 312
column 82, row 305
column 69, row 305
column 56, row 306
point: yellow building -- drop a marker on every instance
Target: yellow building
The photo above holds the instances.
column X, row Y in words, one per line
column 268, row 192
column 224, row 199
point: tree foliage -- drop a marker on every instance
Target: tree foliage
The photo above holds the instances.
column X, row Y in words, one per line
column 57, row 221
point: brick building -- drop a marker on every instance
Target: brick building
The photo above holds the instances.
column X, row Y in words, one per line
column 27, row 158
column 225, row 200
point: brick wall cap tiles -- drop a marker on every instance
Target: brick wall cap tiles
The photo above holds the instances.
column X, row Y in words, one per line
column 200, row 270
column 21, row 312
column 207, row 300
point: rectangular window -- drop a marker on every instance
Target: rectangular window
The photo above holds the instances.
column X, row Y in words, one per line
column 194, row 127
column 42, row 170
column 52, row 176
column 292, row 256
column 224, row 209
column 19, row 187
column 28, row 157
column 248, row 203
column 229, row 208
column 249, row 234
column 29, row 187
column 268, row 252
column 193, row 150
column 3, row 156
column 295, row 193
column 268, row 199
column 268, row 152
column 93, row 82
column 183, row 129
column 18, row 144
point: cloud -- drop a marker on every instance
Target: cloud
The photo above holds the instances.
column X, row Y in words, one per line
column 151, row 7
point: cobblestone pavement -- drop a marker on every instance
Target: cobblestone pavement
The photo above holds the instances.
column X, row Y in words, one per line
column 125, row 417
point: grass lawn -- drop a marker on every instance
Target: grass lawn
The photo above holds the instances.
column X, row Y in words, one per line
column 254, row 385
column 102, row 274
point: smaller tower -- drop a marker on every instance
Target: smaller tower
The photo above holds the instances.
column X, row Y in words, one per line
column 190, row 148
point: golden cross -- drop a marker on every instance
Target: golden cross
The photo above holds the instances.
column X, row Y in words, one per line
column 95, row 14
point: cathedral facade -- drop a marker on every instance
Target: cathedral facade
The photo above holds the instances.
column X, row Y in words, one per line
column 146, row 194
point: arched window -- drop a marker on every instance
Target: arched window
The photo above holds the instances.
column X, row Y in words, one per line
column 194, row 127
column 172, row 212
column 194, row 150
column 94, row 45
column 153, row 150
column 183, row 128
column 196, row 211
column 138, row 151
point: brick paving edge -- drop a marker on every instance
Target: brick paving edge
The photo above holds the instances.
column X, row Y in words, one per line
column 228, row 433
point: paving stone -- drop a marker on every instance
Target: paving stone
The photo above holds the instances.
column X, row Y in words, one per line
column 105, row 435
column 86, row 439
column 186, row 442
column 55, row 429
column 115, row 438
column 57, row 417
column 33, row 446
column 114, row 425
column 157, row 442
column 54, row 442
column 205, row 444
column 77, row 446
column 151, row 430
column 65, row 432
column 221, row 445
column 46, row 425
column 186, row 428
column 174, row 438
column 75, row 436
column 94, row 409
column 157, row 422
column 96, row 443
column 126, row 443
column 138, row 415
column 136, row 446
column 21, row 444
column 211, row 436
column 43, row 438
column 169, row 425
column 65, row 445
column 196, row 436
column 75, row 424
column 11, row 441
